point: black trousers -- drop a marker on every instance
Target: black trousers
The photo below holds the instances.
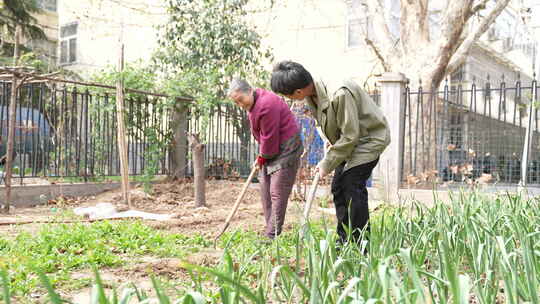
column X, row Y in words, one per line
column 351, row 199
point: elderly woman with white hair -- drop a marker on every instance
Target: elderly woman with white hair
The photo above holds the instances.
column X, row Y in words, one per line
column 275, row 128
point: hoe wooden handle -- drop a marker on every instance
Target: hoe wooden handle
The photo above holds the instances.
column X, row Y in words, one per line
column 239, row 199
column 311, row 197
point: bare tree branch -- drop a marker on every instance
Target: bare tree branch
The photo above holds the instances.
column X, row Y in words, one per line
column 378, row 53
column 475, row 9
column 479, row 6
column 21, row 82
column 414, row 24
column 459, row 56
column 424, row 21
column 454, row 22
column 384, row 37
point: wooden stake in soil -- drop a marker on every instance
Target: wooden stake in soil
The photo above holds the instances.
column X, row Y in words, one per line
column 122, row 145
column 12, row 122
column 198, row 169
column 11, row 141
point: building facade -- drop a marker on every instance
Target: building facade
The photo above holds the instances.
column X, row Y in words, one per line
column 327, row 37
column 47, row 20
column 90, row 32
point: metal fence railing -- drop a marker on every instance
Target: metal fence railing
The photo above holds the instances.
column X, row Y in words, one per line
column 69, row 132
column 230, row 149
column 467, row 133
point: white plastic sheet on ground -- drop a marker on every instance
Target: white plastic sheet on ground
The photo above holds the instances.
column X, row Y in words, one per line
column 107, row 210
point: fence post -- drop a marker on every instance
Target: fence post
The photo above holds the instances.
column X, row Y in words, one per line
column 528, row 137
column 392, row 104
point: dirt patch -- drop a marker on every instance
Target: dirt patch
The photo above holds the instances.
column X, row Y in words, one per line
column 166, row 198
column 178, row 199
column 170, row 268
column 141, row 272
column 138, row 274
column 175, row 198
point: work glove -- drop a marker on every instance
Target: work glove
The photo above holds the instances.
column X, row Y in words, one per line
column 261, row 161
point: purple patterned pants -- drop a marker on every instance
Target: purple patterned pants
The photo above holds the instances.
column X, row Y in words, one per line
column 275, row 191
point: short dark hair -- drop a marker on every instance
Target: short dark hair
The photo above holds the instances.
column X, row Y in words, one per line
column 289, row 76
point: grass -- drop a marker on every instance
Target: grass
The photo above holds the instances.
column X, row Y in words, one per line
column 60, row 249
column 474, row 248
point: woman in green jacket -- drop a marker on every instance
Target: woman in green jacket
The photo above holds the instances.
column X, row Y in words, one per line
column 356, row 131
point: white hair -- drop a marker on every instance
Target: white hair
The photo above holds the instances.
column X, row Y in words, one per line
column 238, row 84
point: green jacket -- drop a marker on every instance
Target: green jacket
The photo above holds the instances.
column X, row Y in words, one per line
column 352, row 123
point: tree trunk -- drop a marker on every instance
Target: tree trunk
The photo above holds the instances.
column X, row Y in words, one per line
column 427, row 66
column 198, row 169
column 179, row 143
column 438, row 56
column 12, row 122
column 16, row 45
column 10, row 142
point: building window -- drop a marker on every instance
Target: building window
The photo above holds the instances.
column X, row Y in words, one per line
column 357, row 23
column 49, row 5
column 355, row 32
column 68, row 43
column 455, row 127
column 360, row 26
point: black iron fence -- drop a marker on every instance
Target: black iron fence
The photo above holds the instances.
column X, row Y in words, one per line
column 71, row 133
column 464, row 133
column 470, row 133
column 230, row 149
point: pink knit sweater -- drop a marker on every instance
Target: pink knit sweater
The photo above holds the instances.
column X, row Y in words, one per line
column 272, row 122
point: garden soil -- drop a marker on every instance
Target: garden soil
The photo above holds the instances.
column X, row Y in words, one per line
column 176, row 198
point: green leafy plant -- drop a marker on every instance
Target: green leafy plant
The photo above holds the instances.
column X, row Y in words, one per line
column 202, row 46
column 147, row 115
column 62, row 248
column 475, row 247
